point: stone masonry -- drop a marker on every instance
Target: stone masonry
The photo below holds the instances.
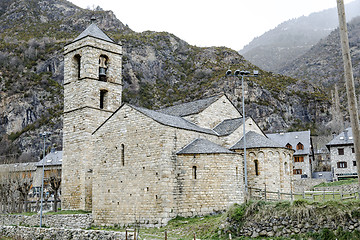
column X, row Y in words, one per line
column 83, row 112
column 129, row 164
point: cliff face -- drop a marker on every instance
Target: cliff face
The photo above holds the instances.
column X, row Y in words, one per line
column 159, row 69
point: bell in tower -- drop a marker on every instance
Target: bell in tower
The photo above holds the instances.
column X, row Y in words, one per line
column 102, row 68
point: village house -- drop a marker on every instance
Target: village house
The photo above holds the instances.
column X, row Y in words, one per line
column 129, row 164
column 303, row 156
column 342, row 156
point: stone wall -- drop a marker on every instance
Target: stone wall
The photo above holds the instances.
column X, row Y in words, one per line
column 274, row 169
column 216, row 184
column 140, row 183
column 214, row 114
column 55, row 221
column 286, row 226
column 306, row 184
column 26, row 233
column 88, row 102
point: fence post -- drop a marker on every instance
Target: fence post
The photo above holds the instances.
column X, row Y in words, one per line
column 126, row 235
column 265, row 192
column 194, row 236
column 165, row 235
column 341, row 194
column 134, row 233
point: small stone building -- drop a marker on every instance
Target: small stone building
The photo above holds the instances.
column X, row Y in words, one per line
column 303, row 156
column 342, row 156
column 130, row 164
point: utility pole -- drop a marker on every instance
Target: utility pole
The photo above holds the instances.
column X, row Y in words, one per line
column 349, row 81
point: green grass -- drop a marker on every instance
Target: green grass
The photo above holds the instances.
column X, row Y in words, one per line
column 337, row 183
column 68, row 212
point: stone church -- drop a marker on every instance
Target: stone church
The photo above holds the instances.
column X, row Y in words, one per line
column 129, row 164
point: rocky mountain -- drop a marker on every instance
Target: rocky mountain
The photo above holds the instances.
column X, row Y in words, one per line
column 289, row 40
column 159, row 69
column 323, row 63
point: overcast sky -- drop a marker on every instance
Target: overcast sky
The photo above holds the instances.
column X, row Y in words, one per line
column 204, row 23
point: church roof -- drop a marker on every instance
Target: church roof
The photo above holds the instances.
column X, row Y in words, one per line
column 228, row 126
column 173, row 121
column 94, row 31
column 190, row 108
column 293, row 138
column 203, row 146
column 255, row 140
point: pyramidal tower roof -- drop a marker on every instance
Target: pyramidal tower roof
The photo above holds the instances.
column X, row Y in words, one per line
column 94, row 31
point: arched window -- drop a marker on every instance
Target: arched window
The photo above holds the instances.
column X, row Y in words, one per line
column 103, row 67
column 288, row 146
column 256, row 162
column 299, row 146
column 103, row 99
column 122, row 154
column 77, row 61
column 194, row 172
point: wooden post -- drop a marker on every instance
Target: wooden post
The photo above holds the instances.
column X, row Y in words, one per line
column 265, row 192
column 134, row 233
column 341, row 194
column 349, row 80
column 165, row 235
column 126, row 235
column 194, row 236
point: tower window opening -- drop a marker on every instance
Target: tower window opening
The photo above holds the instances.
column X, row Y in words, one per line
column 103, row 98
column 256, row 162
column 194, row 173
column 77, row 59
column 122, row 154
column 103, row 67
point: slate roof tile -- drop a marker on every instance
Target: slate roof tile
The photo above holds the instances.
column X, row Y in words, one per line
column 189, row 108
column 255, row 140
column 203, row 146
column 94, row 31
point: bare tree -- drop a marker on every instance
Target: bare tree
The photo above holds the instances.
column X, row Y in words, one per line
column 55, row 182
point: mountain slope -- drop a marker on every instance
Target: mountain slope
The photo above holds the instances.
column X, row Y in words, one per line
column 159, row 69
column 323, row 63
column 289, row 40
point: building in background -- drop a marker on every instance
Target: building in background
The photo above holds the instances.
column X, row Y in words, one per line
column 342, row 155
column 303, row 155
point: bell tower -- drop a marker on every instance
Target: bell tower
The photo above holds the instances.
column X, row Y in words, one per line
column 92, row 92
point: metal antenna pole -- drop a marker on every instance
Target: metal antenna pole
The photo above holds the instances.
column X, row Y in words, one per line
column 244, row 132
column 42, row 182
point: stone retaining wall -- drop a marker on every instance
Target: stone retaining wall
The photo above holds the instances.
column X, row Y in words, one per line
column 285, row 226
column 27, row 233
column 345, row 188
column 306, row 184
column 55, row 221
